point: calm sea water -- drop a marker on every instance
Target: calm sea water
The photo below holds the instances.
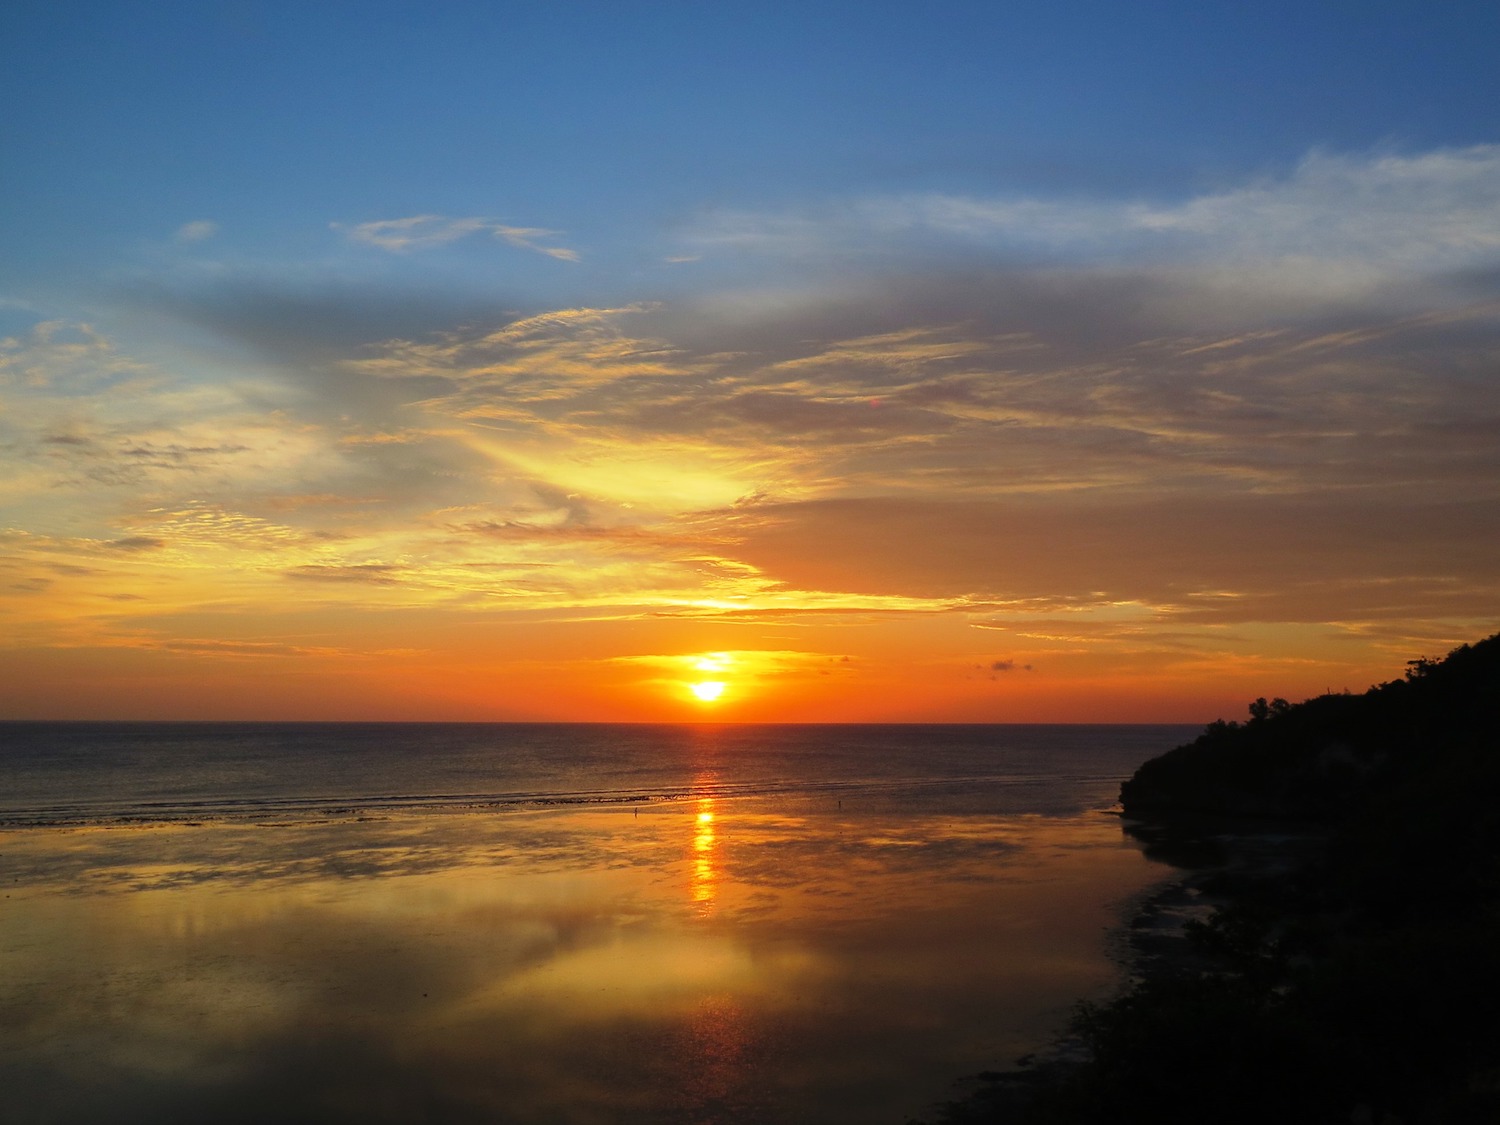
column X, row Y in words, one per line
column 88, row 773
column 547, row 925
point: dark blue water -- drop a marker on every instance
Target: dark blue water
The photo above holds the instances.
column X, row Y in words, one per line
column 55, row 773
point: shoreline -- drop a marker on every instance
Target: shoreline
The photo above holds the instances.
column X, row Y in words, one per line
column 1214, row 860
column 1328, row 952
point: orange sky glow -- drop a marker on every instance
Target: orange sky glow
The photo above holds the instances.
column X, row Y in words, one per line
column 547, row 362
column 585, row 516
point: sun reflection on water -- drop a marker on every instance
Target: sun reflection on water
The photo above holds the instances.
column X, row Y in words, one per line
column 705, row 844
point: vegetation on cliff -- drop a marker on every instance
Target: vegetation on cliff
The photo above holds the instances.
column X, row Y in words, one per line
column 1330, row 756
column 1358, row 983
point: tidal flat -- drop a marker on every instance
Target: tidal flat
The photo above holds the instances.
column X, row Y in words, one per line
column 755, row 959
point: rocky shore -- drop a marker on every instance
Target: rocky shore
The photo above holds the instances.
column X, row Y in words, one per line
column 1329, row 954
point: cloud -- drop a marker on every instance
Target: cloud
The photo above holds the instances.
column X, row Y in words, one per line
column 420, row 232
column 1335, row 226
column 1433, row 210
column 229, row 648
column 1092, row 394
column 197, row 231
column 57, row 357
column 530, row 357
column 1204, row 558
column 76, row 413
column 1092, row 418
column 1057, row 443
column 739, row 664
column 383, row 574
column 998, row 667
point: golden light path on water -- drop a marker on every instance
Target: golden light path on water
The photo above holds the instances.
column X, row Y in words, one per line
column 704, row 875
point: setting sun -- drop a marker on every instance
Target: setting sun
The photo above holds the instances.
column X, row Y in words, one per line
column 603, row 594
column 375, row 449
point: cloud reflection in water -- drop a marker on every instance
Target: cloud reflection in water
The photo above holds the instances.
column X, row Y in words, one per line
column 706, row 961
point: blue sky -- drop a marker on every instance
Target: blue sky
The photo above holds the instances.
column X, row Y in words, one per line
column 1106, row 342
column 622, row 124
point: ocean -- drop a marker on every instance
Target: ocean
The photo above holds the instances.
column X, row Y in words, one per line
column 547, row 923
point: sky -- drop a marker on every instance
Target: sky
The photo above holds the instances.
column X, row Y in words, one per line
column 954, row 362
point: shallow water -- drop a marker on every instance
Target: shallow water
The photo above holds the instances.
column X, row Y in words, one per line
column 830, row 954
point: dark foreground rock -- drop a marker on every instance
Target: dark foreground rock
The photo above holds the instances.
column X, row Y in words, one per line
column 1332, row 953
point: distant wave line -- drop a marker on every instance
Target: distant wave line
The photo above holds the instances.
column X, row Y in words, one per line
column 107, row 812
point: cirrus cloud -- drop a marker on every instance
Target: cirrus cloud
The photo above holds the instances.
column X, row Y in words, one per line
column 420, row 232
column 1335, row 226
column 197, row 230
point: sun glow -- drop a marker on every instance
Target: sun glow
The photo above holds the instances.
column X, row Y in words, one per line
column 707, row 690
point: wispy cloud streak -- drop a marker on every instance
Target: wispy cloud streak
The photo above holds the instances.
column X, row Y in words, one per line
column 1341, row 223
column 422, row 232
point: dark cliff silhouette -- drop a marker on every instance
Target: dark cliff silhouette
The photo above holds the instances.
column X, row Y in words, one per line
column 1353, row 979
column 1325, row 758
